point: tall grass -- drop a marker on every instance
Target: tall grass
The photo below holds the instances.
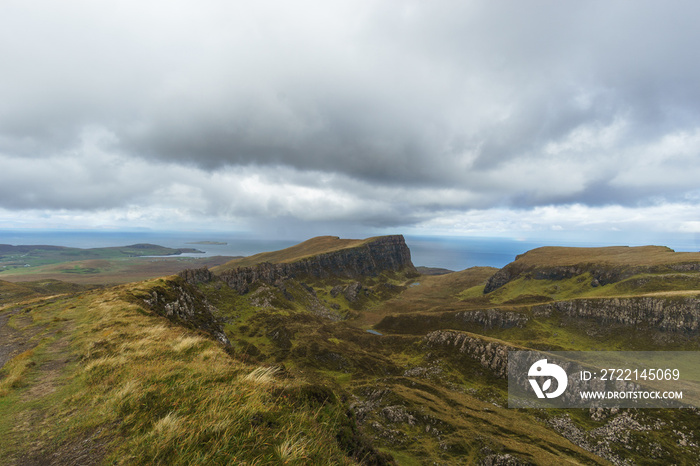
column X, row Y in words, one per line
column 162, row 395
column 14, row 373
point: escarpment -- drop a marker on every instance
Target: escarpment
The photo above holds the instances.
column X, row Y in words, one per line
column 604, row 265
column 368, row 259
column 491, row 354
column 600, row 274
column 499, row 356
column 666, row 314
column 471, row 320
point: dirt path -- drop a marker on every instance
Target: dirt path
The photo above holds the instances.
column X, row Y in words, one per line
column 15, row 333
column 19, row 333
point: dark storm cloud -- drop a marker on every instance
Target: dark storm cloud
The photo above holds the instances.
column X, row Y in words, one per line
column 414, row 89
column 503, row 103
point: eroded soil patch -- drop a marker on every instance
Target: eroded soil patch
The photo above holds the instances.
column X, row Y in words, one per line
column 16, row 333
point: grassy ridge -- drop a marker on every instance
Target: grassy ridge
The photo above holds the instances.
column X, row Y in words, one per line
column 309, row 248
column 552, row 256
column 16, row 292
column 131, row 388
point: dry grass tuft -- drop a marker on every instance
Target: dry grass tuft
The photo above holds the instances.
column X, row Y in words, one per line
column 291, row 450
column 15, row 371
column 187, row 343
column 262, row 375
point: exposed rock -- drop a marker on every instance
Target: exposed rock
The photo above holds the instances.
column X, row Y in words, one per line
column 490, row 354
column 423, row 372
column 416, row 323
column 352, row 291
column 184, row 304
column 314, row 305
column 666, row 314
column 494, row 356
column 262, row 297
column 386, row 253
column 618, row 431
column 372, row 399
column 603, row 274
column 502, row 459
column 494, row 318
column 197, row 276
column 600, row 414
column 336, row 290
column 499, row 279
column 398, row 414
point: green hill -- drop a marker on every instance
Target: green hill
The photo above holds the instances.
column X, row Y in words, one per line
column 309, row 248
column 272, row 362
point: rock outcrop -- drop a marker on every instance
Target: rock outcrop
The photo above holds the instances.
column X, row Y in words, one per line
column 197, row 276
column 494, row 318
column 185, row 305
column 666, row 314
column 472, row 320
column 384, row 254
column 601, row 274
column 490, row 354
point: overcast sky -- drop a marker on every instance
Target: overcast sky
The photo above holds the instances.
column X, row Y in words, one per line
column 321, row 117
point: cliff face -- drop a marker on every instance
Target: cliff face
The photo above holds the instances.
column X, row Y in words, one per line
column 603, row 270
column 472, row 321
column 385, row 254
column 675, row 315
column 492, row 355
column 185, row 305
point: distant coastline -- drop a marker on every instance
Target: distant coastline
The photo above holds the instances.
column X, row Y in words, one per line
column 452, row 253
column 210, row 243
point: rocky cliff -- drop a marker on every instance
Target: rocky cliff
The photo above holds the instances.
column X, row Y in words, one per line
column 494, row 355
column 491, row 354
column 605, row 265
column 383, row 254
column 666, row 314
column 471, row 320
column 184, row 304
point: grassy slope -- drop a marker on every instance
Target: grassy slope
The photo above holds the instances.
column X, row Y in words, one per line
column 110, row 271
column 433, row 304
column 453, row 413
column 613, row 255
column 107, row 382
column 429, row 293
column 524, row 288
column 421, row 404
column 311, row 247
column 556, row 333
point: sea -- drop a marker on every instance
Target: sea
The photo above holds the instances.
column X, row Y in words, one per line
column 448, row 252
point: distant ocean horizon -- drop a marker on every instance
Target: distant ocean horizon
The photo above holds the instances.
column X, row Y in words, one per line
column 453, row 253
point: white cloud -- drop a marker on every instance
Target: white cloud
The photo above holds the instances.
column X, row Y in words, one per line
column 474, row 116
column 569, row 218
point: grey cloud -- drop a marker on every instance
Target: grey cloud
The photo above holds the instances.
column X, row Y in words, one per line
column 404, row 96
